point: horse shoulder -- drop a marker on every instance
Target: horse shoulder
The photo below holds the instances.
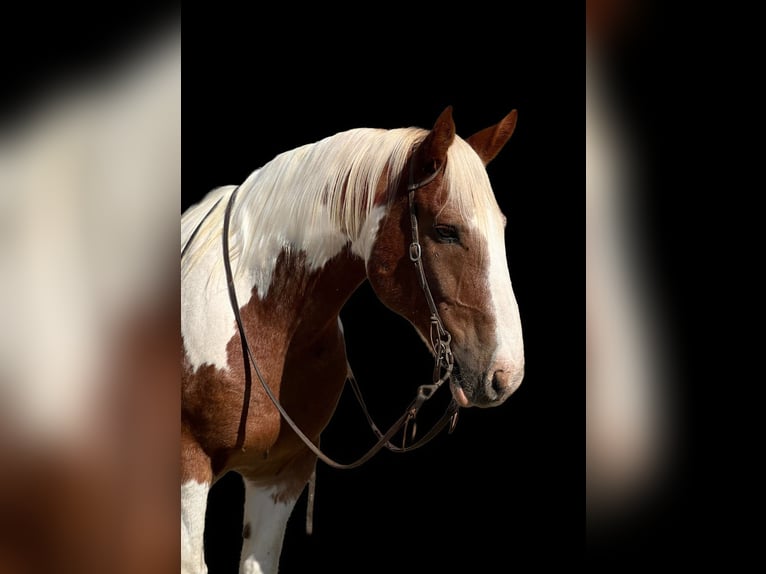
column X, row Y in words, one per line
column 314, row 374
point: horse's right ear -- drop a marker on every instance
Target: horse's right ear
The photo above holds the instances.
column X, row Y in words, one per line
column 432, row 151
column 488, row 142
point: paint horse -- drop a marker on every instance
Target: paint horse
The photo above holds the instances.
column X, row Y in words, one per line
column 265, row 276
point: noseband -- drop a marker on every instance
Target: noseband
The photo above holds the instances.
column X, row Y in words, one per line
column 439, row 336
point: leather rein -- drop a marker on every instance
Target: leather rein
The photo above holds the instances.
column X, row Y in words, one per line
column 440, row 340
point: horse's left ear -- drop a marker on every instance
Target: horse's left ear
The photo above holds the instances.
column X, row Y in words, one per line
column 432, row 151
column 488, row 142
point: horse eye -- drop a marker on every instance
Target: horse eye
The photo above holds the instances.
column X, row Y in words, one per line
column 446, row 233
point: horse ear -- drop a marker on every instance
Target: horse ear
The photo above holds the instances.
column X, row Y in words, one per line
column 432, row 151
column 488, row 142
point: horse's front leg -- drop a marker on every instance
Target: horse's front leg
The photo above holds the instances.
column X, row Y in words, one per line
column 195, row 486
column 267, row 509
column 193, row 506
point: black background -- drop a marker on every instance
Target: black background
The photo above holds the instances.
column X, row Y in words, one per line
column 507, row 487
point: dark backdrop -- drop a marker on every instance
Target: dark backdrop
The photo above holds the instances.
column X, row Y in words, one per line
column 506, row 488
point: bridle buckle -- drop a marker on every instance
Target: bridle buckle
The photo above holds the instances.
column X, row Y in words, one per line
column 415, row 251
column 426, row 391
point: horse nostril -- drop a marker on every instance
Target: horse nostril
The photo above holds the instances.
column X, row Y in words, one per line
column 500, row 386
column 506, row 381
column 499, row 381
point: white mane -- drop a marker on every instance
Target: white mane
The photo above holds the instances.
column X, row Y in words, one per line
column 318, row 197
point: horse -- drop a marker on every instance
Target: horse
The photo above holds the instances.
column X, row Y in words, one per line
column 266, row 268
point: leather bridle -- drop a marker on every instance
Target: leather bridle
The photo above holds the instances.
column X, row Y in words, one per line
column 440, row 340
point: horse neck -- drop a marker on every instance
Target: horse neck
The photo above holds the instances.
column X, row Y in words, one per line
column 299, row 293
column 302, row 303
column 302, row 245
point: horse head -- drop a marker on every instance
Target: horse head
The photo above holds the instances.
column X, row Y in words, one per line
column 462, row 247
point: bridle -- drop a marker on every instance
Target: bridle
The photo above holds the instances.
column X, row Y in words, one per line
column 440, row 340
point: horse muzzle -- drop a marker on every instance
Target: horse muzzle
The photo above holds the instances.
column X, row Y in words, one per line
column 488, row 389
